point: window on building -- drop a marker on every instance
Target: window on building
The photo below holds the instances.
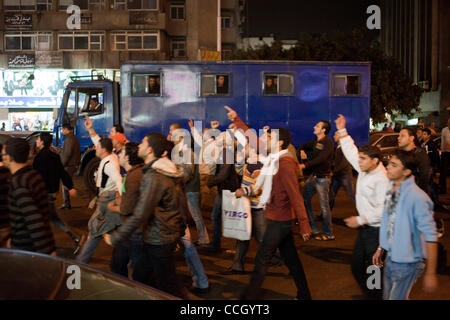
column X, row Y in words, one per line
column 135, row 4
column 226, row 22
column 344, row 85
column 278, row 84
column 226, row 54
column 146, row 84
column 25, row 40
column 41, row 5
column 178, row 47
column 214, row 84
column 81, row 40
column 135, row 40
column 44, row 41
column 83, row 4
column 177, row 11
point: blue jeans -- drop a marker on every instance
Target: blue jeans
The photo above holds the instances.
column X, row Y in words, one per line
column 216, row 217
column 130, row 249
column 345, row 181
column 88, row 249
column 322, row 187
column 193, row 204
column 199, row 278
column 399, row 278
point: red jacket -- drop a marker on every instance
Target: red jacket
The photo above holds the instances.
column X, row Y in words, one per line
column 286, row 195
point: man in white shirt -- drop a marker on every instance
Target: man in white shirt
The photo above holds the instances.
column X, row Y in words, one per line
column 108, row 182
column 445, row 157
column 371, row 188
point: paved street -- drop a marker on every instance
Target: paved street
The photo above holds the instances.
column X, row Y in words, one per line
column 327, row 264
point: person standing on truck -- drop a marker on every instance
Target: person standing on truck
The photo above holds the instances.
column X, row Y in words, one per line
column 70, row 159
column 109, row 181
column 49, row 165
column 319, row 181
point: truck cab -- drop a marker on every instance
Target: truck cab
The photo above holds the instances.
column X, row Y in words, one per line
column 97, row 98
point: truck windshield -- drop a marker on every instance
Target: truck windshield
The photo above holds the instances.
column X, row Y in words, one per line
column 83, row 100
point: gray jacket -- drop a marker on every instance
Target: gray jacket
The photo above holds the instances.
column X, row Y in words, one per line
column 70, row 154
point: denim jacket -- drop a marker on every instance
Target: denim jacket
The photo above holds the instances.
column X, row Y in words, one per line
column 413, row 226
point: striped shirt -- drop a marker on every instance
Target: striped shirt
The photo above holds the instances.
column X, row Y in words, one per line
column 29, row 212
column 4, row 186
column 250, row 174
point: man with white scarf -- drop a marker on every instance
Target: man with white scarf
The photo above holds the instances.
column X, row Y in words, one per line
column 280, row 194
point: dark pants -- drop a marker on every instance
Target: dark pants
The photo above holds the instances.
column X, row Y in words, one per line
column 55, row 219
column 126, row 251
column 71, row 171
column 365, row 246
column 278, row 235
column 345, row 181
column 445, row 159
column 258, row 229
column 158, row 259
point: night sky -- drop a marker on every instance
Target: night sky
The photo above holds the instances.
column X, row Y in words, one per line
column 287, row 18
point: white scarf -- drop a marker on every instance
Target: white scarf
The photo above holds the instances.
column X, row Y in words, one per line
column 264, row 180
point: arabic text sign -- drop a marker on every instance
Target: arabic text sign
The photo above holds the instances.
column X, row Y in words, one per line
column 21, row 60
column 30, row 102
column 49, row 59
column 18, row 21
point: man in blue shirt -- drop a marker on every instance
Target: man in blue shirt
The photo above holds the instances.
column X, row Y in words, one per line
column 407, row 233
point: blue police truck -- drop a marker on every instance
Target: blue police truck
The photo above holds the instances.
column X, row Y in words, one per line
column 152, row 95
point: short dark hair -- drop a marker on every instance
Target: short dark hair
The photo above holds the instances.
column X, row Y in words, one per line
column 131, row 150
column 119, row 128
column 427, row 131
column 67, row 126
column 285, row 136
column 412, row 133
column 18, row 149
column 326, row 125
column 169, row 147
column 158, row 143
column 106, row 143
column 370, row 151
column 407, row 158
column 46, row 138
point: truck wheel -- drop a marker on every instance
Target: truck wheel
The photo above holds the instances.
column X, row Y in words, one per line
column 90, row 175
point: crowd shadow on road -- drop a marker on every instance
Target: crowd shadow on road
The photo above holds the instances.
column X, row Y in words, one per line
column 331, row 255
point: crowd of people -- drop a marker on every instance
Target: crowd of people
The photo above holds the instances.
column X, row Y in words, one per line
column 147, row 192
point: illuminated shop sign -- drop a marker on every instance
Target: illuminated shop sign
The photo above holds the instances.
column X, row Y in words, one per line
column 30, row 102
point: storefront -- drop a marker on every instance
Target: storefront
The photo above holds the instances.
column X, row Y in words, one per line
column 30, row 98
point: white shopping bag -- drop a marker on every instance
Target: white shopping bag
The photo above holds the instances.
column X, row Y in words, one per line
column 236, row 216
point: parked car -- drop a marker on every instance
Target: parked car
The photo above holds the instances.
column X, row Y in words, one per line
column 387, row 142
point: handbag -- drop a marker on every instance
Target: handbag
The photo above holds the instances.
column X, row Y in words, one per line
column 236, row 216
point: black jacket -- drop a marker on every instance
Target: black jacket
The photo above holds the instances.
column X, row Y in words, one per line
column 423, row 172
column 49, row 165
column 320, row 154
column 341, row 166
column 433, row 153
column 226, row 177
